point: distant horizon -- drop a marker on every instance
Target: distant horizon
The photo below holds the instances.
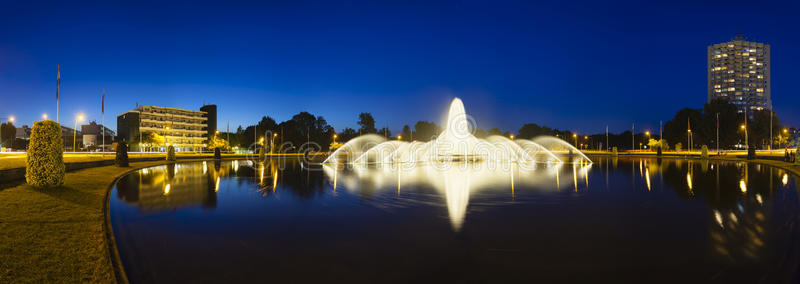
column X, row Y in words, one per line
column 575, row 67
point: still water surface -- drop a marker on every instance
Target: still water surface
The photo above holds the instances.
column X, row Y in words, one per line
column 626, row 220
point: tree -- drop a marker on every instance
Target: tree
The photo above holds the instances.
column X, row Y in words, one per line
column 8, row 133
column 426, row 131
column 531, row 130
column 218, row 142
column 347, row 134
column 152, row 139
column 758, row 128
column 367, row 123
column 385, row 132
column 45, row 157
column 677, row 129
column 495, row 131
column 407, row 136
column 729, row 120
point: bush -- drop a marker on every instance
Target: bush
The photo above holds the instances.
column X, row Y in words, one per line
column 45, row 160
column 122, row 154
column 170, row 153
column 217, row 155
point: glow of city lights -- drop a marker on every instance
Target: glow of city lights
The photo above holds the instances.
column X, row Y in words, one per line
column 216, row 185
column 718, row 217
column 785, row 179
column 647, row 178
column 166, row 189
column 742, row 186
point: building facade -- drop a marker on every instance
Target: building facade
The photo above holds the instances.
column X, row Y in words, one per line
column 739, row 71
column 94, row 135
column 185, row 129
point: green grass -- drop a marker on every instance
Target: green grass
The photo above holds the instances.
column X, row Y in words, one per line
column 10, row 161
column 56, row 235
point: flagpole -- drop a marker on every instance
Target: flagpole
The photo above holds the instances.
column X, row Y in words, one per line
column 58, row 86
column 103, row 121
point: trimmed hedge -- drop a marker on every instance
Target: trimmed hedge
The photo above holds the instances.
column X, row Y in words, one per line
column 45, row 159
column 171, row 153
column 121, row 159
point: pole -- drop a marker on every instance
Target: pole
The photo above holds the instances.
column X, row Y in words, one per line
column 58, row 86
column 718, row 133
column 606, row 136
column 746, row 139
column 633, row 137
column 75, row 136
column 770, row 129
column 103, row 121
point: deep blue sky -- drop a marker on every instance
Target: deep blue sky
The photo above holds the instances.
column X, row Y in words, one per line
column 570, row 65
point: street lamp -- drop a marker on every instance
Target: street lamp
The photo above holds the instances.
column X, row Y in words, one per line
column 746, row 140
column 75, row 133
column 44, row 116
column 399, row 137
column 647, row 133
column 575, row 135
column 511, row 136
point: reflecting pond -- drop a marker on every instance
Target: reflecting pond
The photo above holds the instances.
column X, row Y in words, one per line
column 616, row 220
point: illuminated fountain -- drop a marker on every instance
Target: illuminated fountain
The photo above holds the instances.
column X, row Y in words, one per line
column 455, row 143
column 456, row 163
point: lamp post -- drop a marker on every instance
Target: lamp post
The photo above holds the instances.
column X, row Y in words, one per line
column 11, row 120
column 647, row 133
column 746, row 141
column 166, row 141
column 75, row 133
column 575, row 135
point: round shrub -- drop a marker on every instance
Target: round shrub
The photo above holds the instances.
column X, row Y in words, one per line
column 170, row 153
column 121, row 159
column 217, row 154
column 45, row 160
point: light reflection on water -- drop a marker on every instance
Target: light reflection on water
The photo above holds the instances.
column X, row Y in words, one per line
column 701, row 220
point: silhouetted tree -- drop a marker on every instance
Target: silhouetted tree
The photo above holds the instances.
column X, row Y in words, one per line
column 406, row 133
column 9, row 132
column 347, row 134
column 367, row 123
column 425, row 131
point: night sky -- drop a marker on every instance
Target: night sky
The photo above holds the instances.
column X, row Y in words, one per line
column 571, row 65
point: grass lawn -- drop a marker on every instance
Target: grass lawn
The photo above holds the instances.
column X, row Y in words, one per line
column 10, row 161
column 56, row 235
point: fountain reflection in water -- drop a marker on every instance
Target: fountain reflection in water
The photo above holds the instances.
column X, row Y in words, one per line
column 456, row 162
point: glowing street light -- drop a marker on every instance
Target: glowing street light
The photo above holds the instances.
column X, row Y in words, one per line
column 75, row 132
column 511, row 136
column 399, row 137
column 44, row 116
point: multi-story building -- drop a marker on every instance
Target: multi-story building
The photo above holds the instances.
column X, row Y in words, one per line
column 185, row 129
column 739, row 71
column 94, row 134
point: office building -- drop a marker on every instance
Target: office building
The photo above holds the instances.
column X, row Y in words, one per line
column 185, row 129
